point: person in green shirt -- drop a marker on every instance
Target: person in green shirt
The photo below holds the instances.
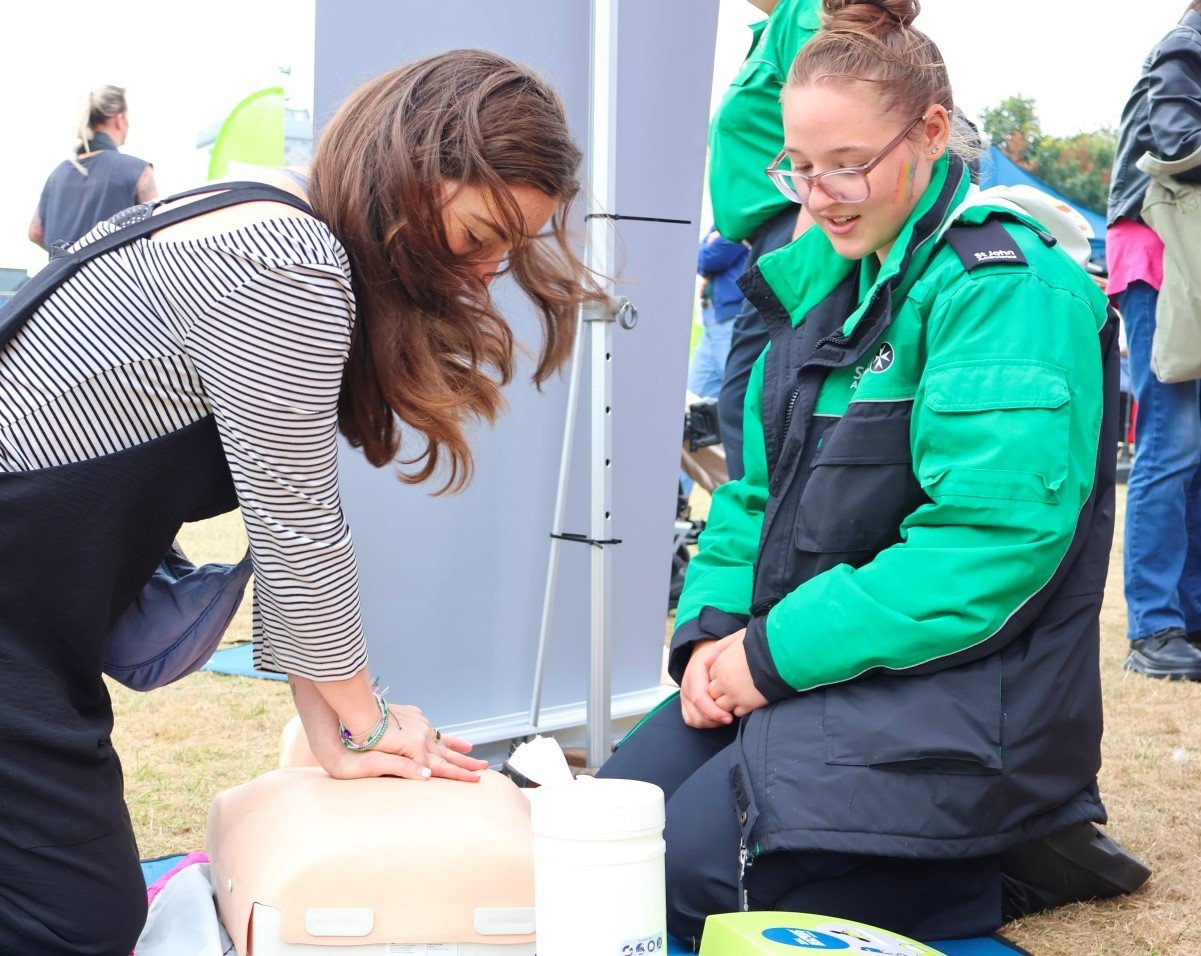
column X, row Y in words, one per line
column 745, row 134
column 887, row 645
column 746, row 131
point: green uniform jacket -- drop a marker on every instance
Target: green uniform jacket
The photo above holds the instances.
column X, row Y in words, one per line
column 747, row 131
column 918, row 548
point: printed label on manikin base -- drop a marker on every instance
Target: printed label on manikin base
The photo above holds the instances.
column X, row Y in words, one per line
column 645, row 946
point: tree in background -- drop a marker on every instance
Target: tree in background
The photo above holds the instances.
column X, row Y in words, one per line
column 1012, row 126
column 1077, row 166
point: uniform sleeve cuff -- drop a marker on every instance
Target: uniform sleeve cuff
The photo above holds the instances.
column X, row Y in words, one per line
column 767, row 679
column 709, row 624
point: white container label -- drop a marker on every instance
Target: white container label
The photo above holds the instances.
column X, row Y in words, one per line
column 645, row 946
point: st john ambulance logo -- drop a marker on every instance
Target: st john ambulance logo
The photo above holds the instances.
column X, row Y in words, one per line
column 882, row 360
column 997, row 255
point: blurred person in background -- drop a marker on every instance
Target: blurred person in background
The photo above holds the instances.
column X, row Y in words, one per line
column 719, row 262
column 97, row 180
column 1163, row 501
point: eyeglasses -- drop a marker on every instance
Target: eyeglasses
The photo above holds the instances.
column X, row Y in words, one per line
column 847, row 185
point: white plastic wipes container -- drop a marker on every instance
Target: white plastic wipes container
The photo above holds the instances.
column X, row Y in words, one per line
column 598, row 868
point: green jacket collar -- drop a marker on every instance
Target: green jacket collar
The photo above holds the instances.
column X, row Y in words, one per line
column 807, row 270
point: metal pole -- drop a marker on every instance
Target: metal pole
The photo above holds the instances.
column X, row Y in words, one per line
column 600, row 258
column 552, row 570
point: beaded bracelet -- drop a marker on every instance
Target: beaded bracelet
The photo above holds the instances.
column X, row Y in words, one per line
column 374, row 736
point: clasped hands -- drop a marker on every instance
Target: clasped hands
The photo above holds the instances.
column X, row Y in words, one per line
column 717, row 685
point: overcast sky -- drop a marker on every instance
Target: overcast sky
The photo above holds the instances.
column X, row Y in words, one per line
column 1077, row 58
column 186, row 65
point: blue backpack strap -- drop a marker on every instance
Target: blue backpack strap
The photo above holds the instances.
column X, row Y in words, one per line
column 135, row 223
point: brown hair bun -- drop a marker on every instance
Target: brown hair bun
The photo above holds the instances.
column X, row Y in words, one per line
column 870, row 16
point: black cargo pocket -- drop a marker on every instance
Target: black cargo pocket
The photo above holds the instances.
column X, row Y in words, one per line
column 60, row 791
column 862, row 484
column 947, row 722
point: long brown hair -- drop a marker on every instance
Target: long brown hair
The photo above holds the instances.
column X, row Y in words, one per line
column 429, row 348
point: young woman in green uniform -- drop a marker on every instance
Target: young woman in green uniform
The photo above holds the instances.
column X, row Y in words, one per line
column 887, row 645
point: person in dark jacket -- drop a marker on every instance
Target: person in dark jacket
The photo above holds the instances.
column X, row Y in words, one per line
column 1163, row 500
column 97, row 181
column 887, row 645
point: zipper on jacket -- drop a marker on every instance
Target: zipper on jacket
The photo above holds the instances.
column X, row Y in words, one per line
column 744, row 863
column 791, row 407
column 759, row 608
column 834, row 338
column 777, row 478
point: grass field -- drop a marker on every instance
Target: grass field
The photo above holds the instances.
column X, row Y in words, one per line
column 183, row 744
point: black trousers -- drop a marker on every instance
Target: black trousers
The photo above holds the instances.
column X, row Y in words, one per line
column 748, row 340
column 86, row 899
column 925, row 899
column 70, row 880
column 77, row 544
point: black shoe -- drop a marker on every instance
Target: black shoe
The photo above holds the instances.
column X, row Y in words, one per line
column 1167, row 653
column 1079, row 863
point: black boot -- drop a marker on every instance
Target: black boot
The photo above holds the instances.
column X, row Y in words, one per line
column 1166, row 653
column 1079, row 863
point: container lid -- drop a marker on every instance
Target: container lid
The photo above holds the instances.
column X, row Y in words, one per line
column 606, row 809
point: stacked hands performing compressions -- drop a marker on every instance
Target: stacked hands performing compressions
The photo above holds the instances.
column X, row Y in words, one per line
column 410, row 746
column 717, row 684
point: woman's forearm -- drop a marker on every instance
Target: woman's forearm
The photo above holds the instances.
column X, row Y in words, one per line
column 324, row 703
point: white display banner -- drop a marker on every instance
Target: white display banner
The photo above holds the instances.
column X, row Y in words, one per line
column 453, row 586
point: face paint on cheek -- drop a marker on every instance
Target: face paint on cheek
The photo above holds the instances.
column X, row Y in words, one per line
column 904, row 192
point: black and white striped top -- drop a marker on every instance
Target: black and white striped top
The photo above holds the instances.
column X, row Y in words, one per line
column 252, row 326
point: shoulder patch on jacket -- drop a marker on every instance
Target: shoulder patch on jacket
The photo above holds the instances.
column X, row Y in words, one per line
column 987, row 244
